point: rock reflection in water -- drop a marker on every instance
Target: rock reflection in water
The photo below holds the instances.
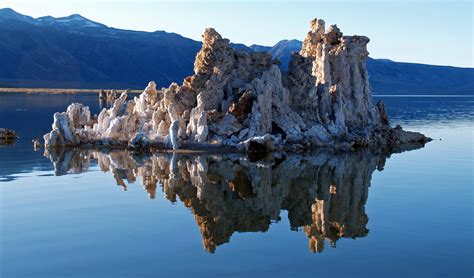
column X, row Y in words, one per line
column 324, row 193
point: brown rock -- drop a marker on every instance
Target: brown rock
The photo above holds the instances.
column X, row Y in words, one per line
column 243, row 106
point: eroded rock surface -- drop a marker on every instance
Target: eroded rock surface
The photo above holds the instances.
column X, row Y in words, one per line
column 241, row 100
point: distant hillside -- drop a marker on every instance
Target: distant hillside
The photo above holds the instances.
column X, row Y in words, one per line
column 395, row 77
column 281, row 51
column 76, row 52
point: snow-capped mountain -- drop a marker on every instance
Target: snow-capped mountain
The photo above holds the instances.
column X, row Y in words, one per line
column 72, row 21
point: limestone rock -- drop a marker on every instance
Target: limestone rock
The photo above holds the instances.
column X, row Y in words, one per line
column 140, row 140
column 7, row 136
column 403, row 137
column 242, row 100
column 243, row 106
column 264, row 143
column 174, row 134
column 36, row 144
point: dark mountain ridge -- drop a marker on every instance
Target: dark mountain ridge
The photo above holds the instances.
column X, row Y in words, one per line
column 74, row 51
column 77, row 52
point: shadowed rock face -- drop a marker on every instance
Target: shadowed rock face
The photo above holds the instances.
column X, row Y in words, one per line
column 240, row 100
column 324, row 193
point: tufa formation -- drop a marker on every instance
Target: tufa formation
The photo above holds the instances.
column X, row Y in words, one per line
column 241, row 100
column 7, row 136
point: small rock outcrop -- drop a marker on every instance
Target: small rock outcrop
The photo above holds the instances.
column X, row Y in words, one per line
column 36, row 144
column 7, row 136
column 242, row 100
column 7, row 133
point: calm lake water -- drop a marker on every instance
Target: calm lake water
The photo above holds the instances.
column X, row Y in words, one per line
column 90, row 213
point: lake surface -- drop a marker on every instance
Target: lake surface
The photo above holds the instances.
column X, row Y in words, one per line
column 91, row 213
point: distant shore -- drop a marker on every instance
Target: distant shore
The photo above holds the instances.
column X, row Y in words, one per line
column 59, row 91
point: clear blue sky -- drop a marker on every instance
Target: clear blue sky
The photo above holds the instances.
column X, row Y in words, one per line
column 431, row 32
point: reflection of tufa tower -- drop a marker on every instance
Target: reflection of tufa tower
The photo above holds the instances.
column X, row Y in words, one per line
column 324, row 193
column 328, row 197
column 339, row 213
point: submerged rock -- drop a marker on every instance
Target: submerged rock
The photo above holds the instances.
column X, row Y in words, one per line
column 241, row 100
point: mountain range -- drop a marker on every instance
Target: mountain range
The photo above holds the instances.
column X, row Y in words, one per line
column 75, row 52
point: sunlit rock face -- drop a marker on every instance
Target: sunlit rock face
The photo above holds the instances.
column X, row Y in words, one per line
column 324, row 193
column 329, row 82
column 241, row 100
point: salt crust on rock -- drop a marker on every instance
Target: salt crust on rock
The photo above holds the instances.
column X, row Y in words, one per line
column 241, row 100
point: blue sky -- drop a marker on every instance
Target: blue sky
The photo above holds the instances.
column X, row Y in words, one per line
column 431, row 32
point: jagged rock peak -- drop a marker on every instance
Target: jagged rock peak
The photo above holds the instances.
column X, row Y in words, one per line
column 215, row 50
column 319, row 35
column 210, row 36
column 313, row 38
column 333, row 35
column 317, row 26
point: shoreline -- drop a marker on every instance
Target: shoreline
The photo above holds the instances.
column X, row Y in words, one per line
column 57, row 91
